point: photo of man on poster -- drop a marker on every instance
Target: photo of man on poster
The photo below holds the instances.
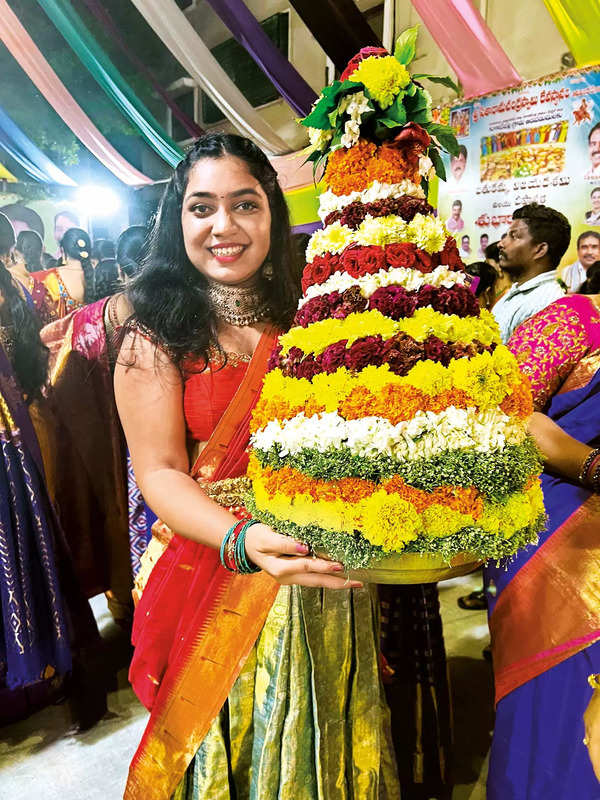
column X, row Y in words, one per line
column 458, row 163
column 592, row 217
column 594, row 151
column 455, row 222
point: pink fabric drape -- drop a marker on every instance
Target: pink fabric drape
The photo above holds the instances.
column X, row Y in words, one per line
column 468, row 44
column 23, row 49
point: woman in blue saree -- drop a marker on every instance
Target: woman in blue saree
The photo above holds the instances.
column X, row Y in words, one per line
column 45, row 623
column 544, row 606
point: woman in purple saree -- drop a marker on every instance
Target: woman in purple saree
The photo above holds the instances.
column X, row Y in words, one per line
column 544, row 607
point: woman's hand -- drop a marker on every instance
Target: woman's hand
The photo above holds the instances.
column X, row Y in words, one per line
column 287, row 560
column 591, row 719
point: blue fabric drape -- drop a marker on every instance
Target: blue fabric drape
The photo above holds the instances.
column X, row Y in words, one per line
column 28, row 155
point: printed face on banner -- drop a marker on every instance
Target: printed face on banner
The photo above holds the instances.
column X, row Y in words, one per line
column 537, row 143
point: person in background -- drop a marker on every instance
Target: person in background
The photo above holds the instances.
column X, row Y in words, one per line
column 458, row 163
column 102, row 249
column 130, row 245
column 465, row 247
column 544, row 613
column 591, row 284
column 70, row 284
column 503, row 281
column 49, row 632
column 530, row 254
column 592, row 217
column 23, row 218
column 62, row 222
column 455, row 222
column 484, row 240
column 485, row 289
column 26, row 260
column 588, row 251
column 594, row 150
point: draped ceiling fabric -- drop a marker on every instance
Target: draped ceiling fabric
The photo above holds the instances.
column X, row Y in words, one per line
column 578, row 22
column 96, row 8
column 24, row 51
column 468, row 44
column 101, row 68
column 338, row 26
column 28, row 155
column 172, row 26
column 249, row 33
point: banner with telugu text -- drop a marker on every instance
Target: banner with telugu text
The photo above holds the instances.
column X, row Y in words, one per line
column 535, row 143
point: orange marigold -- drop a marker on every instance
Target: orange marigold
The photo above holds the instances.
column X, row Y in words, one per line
column 347, row 168
column 519, row 403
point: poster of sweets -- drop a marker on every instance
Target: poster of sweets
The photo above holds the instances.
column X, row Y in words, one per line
column 539, row 142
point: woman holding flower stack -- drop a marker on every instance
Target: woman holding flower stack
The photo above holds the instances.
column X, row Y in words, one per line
column 228, row 662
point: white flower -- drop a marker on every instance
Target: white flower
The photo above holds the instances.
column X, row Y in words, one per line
column 426, row 168
column 351, row 134
column 319, row 138
column 359, row 105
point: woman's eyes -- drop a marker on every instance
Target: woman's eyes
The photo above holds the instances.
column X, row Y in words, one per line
column 205, row 211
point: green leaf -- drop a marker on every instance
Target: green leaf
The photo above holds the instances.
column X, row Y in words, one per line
column 397, row 111
column 445, row 136
column 438, row 164
column 319, row 116
column 444, row 81
column 418, row 102
column 406, row 45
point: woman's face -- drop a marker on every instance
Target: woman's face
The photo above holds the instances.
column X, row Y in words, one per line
column 226, row 220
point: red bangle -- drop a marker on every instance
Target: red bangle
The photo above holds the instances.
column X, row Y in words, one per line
column 229, row 551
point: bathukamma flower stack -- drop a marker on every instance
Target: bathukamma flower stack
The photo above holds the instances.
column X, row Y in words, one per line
column 392, row 419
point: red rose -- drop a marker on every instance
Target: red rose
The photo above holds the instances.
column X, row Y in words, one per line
column 450, row 255
column 364, row 52
column 365, row 260
column 364, row 352
column 333, row 356
column 400, row 254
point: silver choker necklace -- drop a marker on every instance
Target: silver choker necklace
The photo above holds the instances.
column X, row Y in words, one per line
column 238, row 305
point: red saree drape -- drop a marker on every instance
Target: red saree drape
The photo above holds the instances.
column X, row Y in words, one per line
column 196, row 623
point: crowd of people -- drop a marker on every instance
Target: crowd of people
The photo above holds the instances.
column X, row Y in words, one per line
column 271, row 686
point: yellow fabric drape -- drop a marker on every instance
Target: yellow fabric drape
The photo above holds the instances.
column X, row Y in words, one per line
column 5, row 175
column 578, row 22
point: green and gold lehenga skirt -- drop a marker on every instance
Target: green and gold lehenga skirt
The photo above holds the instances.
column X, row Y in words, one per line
column 306, row 718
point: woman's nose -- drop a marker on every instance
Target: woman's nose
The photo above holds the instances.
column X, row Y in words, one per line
column 223, row 221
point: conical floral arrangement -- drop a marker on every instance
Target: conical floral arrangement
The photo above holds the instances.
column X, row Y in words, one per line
column 392, row 419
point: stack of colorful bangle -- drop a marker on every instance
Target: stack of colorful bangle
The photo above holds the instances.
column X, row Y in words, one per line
column 590, row 470
column 233, row 548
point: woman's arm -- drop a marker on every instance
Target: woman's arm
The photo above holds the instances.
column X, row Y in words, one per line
column 563, row 455
column 149, row 395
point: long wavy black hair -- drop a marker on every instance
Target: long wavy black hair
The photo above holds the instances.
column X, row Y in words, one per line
column 77, row 244
column 20, row 324
column 169, row 296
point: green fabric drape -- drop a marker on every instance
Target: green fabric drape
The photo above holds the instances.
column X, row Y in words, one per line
column 578, row 22
column 93, row 57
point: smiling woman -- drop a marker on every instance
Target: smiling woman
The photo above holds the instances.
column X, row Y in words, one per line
column 218, row 650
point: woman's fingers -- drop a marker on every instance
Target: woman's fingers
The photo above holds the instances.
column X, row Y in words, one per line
column 322, row 581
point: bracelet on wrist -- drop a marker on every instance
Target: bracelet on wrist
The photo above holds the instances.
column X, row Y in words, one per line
column 595, row 476
column 233, row 548
column 588, row 464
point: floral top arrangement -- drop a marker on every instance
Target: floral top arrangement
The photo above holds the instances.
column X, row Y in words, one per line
column 392, row 419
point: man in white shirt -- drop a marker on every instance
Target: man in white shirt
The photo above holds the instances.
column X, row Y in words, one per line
column 588, row 252
column 537, row 240
column 455, row 222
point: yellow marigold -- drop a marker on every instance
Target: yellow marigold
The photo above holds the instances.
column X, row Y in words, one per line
column 441, row 521
column 383, row 77
column 389, row 521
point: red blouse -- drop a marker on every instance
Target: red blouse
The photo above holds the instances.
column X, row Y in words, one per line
column 207, row 394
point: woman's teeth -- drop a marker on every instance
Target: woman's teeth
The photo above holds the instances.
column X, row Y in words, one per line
column 227, row 251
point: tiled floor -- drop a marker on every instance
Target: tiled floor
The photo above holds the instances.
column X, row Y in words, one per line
column 39, row 758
